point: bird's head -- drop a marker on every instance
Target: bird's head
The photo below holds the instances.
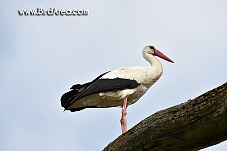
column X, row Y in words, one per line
column 151, row 50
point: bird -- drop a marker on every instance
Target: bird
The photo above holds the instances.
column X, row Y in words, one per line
column 117, row 88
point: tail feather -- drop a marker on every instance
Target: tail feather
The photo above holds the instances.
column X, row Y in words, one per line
column 67, row 98
column 76, row 90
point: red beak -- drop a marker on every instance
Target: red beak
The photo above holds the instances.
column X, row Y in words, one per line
column 161, row 55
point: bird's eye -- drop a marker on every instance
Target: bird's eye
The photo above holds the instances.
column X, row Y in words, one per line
column 152, row 47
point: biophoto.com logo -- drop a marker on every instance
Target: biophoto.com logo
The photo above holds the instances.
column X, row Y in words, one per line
column 53, row 12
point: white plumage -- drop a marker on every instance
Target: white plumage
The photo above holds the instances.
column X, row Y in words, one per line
column 122, row 86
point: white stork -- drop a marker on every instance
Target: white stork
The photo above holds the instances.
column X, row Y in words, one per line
column 121, row 87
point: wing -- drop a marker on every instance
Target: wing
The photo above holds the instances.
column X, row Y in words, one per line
column 76, row 89
column 138, row 73
column 98, row 85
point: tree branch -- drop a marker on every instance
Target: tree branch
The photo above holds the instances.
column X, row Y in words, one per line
column 193, row 125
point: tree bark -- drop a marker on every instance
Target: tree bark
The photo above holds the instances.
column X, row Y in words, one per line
column 190, row 126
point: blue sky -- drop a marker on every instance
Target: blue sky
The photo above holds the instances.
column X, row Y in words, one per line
column 42, row 56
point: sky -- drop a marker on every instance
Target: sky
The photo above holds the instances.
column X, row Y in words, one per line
column 41, row 57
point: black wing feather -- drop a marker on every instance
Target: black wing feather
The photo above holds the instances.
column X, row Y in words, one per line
column 67, row 97
column 96, row 86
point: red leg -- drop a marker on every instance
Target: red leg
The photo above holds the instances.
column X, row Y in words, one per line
column 123, row 116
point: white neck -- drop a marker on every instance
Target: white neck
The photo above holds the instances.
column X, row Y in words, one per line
column 155, row 63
